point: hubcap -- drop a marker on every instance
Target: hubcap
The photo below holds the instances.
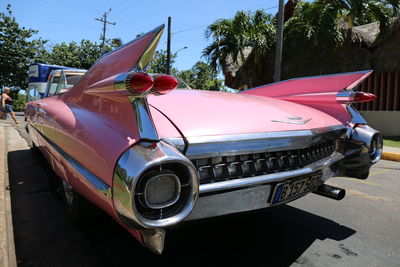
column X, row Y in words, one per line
column 68, row 192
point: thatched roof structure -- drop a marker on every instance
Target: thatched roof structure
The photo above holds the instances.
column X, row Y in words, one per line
column 365, row 35
column 386, row 57
column 361, row 51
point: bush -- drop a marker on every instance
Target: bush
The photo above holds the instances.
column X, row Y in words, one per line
column 19, row 102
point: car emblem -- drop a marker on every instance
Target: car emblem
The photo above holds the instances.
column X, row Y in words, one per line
column 293, row 120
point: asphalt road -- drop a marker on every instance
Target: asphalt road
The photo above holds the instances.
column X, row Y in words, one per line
column 361, row 230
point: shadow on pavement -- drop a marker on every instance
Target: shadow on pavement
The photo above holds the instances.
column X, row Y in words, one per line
column 45, row 236
column 273, row 237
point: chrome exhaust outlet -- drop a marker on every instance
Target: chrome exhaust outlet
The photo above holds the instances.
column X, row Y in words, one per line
column 330, row 192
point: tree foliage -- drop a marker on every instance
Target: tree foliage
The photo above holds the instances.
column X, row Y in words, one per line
column 79, row 55
column 316, row 22
column 202, row 76
column 159, row 62
column 18, row 50
column 323, row 24
column 230, row 37
column 327, row 23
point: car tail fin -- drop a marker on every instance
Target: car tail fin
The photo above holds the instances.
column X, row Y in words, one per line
column 133, row 56
column 311, row 88
column 326, row 93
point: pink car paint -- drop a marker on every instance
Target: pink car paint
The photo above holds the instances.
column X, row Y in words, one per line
column 318, row 92
column 207, row 113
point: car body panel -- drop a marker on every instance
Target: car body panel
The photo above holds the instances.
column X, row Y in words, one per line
column 94, row 137
column 318, row 92
column 208, row 113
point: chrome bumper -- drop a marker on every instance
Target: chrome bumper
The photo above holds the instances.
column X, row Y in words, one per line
column 253, row 193
column 356, row 153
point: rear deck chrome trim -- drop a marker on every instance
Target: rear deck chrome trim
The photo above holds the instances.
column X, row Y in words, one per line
column 240, row 144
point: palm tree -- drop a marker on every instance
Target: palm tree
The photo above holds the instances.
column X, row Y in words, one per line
column 323, row 21
column 359, row 12
column 230, row 37
column 317, row 22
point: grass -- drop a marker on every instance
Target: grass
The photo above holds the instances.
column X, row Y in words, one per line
column 392, row 141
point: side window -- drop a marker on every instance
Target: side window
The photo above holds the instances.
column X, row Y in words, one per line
column 73, row 78
column 52, row 86
column 61, row 84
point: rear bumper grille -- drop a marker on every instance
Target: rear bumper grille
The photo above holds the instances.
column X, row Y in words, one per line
column 216, row 169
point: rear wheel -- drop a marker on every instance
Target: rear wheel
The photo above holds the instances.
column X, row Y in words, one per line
column 79, row 209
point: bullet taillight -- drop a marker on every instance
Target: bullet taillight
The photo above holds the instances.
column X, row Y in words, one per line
column 141, row 82
column 363, row 97
column 348, row 97
column 164, row 84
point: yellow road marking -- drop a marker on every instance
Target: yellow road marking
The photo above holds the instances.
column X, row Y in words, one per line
column 364, row 182
column 361, row 194
column 375, row 173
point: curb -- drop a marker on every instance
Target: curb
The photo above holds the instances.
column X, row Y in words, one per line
column 391, row 156
column 7, row 247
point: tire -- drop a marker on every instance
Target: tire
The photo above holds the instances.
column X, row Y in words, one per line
column 35, row 150
column 78, row 208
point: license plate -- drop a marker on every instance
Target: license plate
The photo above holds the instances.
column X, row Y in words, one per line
column 292, row 189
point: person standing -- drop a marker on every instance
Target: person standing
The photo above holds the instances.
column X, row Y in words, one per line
column 6, row 104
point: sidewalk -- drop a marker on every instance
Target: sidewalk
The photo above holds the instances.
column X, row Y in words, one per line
column 7, row 249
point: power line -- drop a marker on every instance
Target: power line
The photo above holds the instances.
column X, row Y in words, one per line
column 271, row 7
column 190, row 29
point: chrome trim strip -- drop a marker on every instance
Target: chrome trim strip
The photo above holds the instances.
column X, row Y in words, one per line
column 230, row 202
column 269, row 178
column 257, row 136
column 91, row 178
column 356, row 116
column 239, row 144
column 144, row 120
column 292, row 121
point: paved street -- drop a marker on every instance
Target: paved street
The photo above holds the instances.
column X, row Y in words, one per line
column 361, row 230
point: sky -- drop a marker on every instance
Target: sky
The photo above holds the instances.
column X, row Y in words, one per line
column 71, row 20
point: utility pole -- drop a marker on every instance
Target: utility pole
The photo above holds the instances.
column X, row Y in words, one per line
column 105, row 22
column 169, row 47
column 279, row 41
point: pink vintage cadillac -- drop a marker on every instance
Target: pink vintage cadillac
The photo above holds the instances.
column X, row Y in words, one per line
column 152, row 157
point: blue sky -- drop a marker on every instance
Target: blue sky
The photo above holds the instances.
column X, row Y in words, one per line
column 71, row 20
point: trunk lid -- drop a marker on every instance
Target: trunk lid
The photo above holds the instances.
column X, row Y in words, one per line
column 206, row 113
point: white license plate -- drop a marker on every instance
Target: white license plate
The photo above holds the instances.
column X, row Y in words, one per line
column 295, row 188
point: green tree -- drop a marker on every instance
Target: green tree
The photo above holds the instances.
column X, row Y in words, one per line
column 317, row 22
column 18, row 50
column 64, row 54
column 82, row 55
column 202, row 76
column 159, row 62
column 19, row 102
column 230, row 37
column 359, row 12
column 327, row 23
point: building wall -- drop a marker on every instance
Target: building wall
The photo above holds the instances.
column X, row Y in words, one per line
column 387, row 122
